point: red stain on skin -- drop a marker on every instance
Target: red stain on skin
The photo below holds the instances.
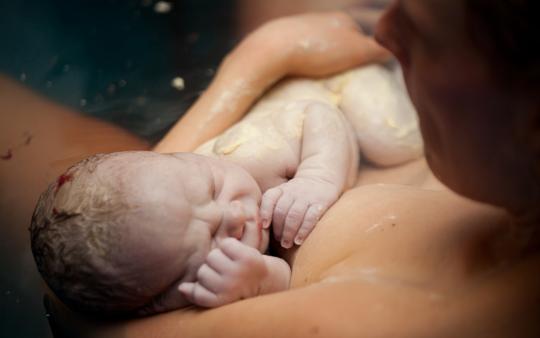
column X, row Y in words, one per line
column 8, row 155
column 54, row 211
column 62, row 180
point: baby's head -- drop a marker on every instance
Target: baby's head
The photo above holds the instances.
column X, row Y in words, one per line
column 116, row 234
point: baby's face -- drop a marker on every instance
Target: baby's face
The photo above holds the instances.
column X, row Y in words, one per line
column 180, row 206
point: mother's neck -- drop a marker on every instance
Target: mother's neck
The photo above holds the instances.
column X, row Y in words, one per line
column 525, row 231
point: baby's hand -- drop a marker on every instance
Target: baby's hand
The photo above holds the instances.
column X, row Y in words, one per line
column 233, row 271
column 295, row 207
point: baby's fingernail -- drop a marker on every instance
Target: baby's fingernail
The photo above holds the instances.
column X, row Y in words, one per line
column 298, row 241
column 186, row 288
column 265, row 224
column 286, row 244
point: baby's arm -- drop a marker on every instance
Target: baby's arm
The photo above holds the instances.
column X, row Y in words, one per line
column 329, row 163
column 235, row 271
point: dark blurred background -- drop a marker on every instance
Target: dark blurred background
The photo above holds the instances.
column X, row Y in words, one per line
column 116, row 59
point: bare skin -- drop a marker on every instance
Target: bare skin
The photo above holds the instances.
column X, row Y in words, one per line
column 401, row 282
column 208, row 228
column 249, row 62
column 400, row 261
column 316, row 147
column 37, row 133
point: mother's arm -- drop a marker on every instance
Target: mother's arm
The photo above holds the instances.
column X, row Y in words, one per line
column 343, row 309
column 304, row 45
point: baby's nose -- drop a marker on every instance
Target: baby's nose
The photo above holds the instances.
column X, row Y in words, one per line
column 235, row 220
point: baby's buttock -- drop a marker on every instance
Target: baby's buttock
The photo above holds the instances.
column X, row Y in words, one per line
column 269, row 154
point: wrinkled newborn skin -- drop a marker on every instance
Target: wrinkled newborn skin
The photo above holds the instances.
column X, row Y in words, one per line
column 116, row 230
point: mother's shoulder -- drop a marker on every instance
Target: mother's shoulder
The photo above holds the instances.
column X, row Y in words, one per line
column 375, row 198
column 394, row 227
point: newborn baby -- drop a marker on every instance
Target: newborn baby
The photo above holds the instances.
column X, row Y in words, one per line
column 123, row 233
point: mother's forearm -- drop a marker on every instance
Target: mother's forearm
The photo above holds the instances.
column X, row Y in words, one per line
column 243, row 76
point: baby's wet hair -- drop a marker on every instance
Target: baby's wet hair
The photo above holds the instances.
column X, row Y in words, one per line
column 75, row 235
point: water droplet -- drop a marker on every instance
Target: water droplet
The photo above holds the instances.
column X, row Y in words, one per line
column 48, row 84
column 22, row 77
column 392, row 217
column 162, row 7
column 178, row 83
column 83, row 102
column 122, row 83
column 66, row 68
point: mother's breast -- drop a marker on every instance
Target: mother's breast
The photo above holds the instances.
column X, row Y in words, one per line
column 397, row 235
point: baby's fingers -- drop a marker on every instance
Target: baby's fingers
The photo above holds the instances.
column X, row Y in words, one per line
column 199, row 295
column 236, row 250
column 280, row 213
column 219, row 262
column 269, row 201
column 209, row 279
column 293, row 221
column 311, row 218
